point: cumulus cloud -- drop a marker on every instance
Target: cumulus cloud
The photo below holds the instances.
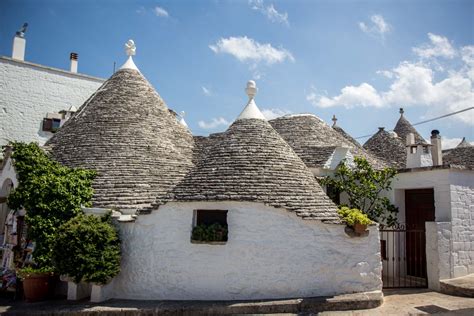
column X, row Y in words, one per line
column 270, row 12
column 439, row 46
column 248, row 50
column 214, row 123
column 413, row 84
column 270, row 114
column 206, row 91
column 159, row 11
column 377, row 27
column 447, row 143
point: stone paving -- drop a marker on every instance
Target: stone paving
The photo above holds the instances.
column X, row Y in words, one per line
column 396, row 302
column 415, row 302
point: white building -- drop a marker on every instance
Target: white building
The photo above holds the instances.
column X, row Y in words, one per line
column 280, row 235
column 35, row 100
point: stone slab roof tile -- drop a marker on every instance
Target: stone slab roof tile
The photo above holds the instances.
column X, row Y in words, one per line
column 125, row 132
column 251, row 162
column 312, row 139
column 388, row 147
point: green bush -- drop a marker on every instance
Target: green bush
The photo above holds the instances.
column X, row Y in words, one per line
column 50, row 193
column 87, row 248
column 353, row 216
column 214, row 232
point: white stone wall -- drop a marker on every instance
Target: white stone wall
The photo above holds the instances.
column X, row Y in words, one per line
column 271, row 253
column 29, row 91
column 462, row 222
column 8, row 174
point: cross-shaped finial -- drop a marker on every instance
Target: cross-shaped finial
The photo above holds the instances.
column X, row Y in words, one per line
column 130, row 48
column 334, row 119
column 401, row 111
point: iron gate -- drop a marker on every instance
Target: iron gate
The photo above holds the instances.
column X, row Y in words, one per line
column 403, row 256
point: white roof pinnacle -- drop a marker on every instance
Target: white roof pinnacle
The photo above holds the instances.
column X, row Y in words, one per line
column 131, row 50
column 181, row 118
column 251, row 111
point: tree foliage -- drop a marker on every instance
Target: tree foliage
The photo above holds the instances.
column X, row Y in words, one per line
column 50, row 193
column 93, row 249
column 363, row 186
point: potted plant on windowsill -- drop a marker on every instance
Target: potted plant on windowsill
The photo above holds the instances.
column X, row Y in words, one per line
column 355, row 219
column 214, row 233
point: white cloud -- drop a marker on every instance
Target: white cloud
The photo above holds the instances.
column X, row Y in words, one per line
column 413, row 84
column 447, row 143
column 215, row 122
column 159, row 11
column 206, row 91
column 439, row 47
column 270, row 12
column 270, row 114
column 248, row 50
column 377, row 28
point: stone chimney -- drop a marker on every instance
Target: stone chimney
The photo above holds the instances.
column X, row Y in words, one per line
column 418, row 155
column 436, row 152
column 73, row 57
column 19, row 43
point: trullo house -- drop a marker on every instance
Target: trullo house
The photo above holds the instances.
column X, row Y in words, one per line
column 279, row 235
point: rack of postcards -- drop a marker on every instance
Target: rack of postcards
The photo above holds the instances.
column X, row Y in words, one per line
column 16, row 249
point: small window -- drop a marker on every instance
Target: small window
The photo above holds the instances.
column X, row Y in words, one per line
column 413, row 149
column 210, row 226
column 51, row 124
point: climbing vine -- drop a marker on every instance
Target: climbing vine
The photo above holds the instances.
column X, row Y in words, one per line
column 50, row 193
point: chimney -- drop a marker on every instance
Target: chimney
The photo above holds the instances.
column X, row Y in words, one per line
column 418, row 154
column 73, row 57
column 436, row 150
column 19, row 43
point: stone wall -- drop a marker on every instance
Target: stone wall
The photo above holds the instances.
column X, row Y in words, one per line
column 271, row 253
column 29, row 91
column 462, row 210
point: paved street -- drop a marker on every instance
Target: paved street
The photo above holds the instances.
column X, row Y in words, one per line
column 397, row 302
column 416, row 302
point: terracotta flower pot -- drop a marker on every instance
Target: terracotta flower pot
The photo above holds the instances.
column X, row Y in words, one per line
column 36, row 287
column 360, row 228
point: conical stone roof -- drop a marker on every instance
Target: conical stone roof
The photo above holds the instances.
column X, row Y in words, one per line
column 251, row 162
column 388, row 147
column 314, row 141
column 404, row 127
column 125, row 132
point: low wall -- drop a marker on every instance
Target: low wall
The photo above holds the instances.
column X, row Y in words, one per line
column 271, row 253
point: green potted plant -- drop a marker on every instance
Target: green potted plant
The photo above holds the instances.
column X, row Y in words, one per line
column 355, row 218
column 51, row 194
column 209, row 233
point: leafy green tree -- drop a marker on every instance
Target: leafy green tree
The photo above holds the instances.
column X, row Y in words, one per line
column 93, row 249
column 50, row 193
column 363, row 186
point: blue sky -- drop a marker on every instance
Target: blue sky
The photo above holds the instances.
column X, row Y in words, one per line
column 360, row 60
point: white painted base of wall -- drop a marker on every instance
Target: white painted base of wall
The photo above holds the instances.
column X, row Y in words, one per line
column 271, row 253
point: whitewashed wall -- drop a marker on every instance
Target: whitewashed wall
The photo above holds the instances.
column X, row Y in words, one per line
column 271, row 253
column 29, row 91
column 8, row 174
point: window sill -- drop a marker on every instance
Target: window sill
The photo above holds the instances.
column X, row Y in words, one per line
column 208, row 242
